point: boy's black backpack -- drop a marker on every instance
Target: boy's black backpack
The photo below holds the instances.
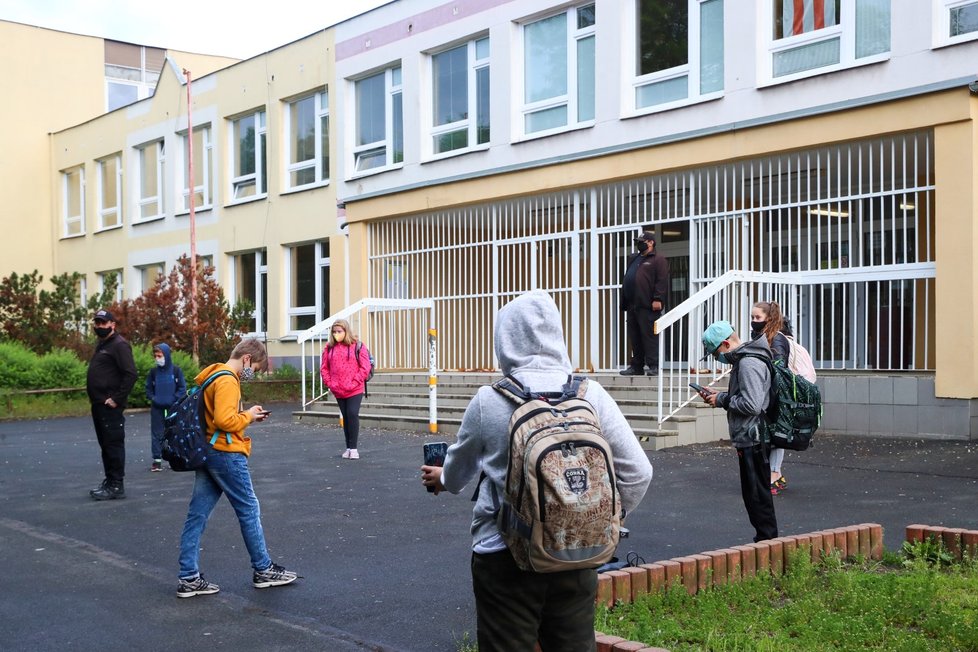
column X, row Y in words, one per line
column 185, row 441
column 560, row 508
column 794, row 410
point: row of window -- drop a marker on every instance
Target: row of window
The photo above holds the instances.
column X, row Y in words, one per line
column 307, row 283
column 307, row 152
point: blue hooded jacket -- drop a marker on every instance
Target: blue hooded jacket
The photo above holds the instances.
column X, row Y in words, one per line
column 165, row 385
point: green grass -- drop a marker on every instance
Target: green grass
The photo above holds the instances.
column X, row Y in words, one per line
column 905, row 604
column 45, row 406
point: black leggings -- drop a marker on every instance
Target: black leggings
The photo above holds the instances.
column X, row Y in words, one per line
column 350, row 410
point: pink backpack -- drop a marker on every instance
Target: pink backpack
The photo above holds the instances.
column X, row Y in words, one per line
column 800, row 361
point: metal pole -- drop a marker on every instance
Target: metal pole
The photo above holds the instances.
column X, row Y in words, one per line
column 432, row 375
column 193, row 220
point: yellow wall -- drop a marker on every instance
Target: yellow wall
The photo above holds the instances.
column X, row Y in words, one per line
column 266, row 82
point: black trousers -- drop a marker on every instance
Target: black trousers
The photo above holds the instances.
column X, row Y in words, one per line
column 515, row 608
column 350, row 409
column 644, row 342
column 110, row 428
column 755, row 487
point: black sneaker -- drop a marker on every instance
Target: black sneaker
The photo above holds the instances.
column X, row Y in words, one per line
column 630, row 371
column 157, row 466
column 274, row 575
column 105, row 483
column 653, row 371
column 108, row 492
column 196, row 586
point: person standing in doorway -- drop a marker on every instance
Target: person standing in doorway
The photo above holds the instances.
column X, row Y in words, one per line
column 111, row 376
column 165, row 386
column 745, row 402
column 345, row 366
column 643, row 295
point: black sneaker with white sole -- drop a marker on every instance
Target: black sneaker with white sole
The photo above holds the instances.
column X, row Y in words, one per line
column 274, row 575
column 196, row 586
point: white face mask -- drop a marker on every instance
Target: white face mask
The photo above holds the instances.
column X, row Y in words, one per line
column 160, row 362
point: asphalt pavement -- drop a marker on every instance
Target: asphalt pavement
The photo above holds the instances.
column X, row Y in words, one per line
column 384, row 564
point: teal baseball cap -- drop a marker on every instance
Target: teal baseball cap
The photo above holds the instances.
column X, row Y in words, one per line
column 714, row 335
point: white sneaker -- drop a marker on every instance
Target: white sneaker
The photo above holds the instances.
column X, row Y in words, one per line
column 354, row 455
column 346, row 454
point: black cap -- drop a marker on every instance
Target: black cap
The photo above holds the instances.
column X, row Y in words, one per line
column 103, row 315
column 647, row 236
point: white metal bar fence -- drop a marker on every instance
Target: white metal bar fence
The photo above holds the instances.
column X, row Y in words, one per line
column 863, row 209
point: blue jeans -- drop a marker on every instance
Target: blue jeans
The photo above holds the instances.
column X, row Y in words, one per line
column 225, row 473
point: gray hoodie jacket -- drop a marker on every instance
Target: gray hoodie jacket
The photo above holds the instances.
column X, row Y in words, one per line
column 529, row 344
column 747, row 394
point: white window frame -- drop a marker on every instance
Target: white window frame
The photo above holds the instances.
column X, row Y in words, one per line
column 107, row 212
column 69, row 220
column 320, row 125
column 942, row 23
column 120, row 289
column 474, row 65
column 207, row 158
column 155, row 202
column 570, row 99
column 392, row 88
column 691, row 70
column 844, row 32
column 315, row 311
column 261, row 270
column 257, row 179
column 146, row 283
column 143, row 90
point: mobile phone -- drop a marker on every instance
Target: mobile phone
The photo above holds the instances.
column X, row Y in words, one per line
column 700, row 389
column 434, row 455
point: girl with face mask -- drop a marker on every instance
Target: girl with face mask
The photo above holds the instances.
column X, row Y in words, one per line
column 345, row 367
column 767, row 321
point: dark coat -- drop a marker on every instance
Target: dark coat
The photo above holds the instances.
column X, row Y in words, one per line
column 647, row 283
column 111, row 371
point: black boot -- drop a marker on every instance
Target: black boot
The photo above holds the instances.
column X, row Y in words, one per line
column 109, row 491
column 631, row 371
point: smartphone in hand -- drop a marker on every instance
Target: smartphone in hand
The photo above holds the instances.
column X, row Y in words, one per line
column 434, row 455
column 702, row 391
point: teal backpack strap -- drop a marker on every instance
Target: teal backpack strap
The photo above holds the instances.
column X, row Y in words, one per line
column 203, row 386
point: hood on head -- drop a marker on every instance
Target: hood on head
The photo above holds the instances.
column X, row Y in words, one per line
column 529, row 335
column 165, row 349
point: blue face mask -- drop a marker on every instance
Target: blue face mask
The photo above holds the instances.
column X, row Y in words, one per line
column 722, row 357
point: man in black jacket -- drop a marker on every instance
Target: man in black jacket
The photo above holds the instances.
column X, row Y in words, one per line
column 111, row 376
column 643, row 296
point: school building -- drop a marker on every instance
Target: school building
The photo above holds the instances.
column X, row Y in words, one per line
column 822, row 153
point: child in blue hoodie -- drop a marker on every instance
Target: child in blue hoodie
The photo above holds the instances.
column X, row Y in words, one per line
column 164, row 387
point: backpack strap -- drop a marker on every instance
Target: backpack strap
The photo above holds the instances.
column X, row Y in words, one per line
column 512, row 389
column 356, row 353
column 203, row 386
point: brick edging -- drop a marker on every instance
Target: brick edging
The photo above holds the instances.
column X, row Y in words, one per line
column 726, row 565
column 958, row 541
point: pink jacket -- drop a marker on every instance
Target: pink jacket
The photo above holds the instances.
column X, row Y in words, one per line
column 340, row 371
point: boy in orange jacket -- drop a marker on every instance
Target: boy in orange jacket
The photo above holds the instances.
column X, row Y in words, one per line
column 226, row 472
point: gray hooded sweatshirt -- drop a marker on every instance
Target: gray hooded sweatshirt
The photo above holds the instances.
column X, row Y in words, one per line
column 529, row 344
column 748, row 392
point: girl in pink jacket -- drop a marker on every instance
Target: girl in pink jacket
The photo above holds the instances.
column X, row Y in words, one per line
column 345, row 369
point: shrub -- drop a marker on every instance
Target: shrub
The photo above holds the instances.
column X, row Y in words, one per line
column 60, row 368
column 19, row 366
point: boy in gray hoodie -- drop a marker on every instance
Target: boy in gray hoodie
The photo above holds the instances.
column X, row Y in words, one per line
column 745, row 401
column 514, row 608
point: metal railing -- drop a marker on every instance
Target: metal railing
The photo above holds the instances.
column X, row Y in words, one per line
column 399, row 333
column 731, row 296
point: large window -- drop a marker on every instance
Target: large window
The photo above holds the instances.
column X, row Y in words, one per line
column 202, row 154
column 558, row 71
column 307, row 125
column 148, row 275
column 150, row 161
column 955, row 21
column 73, row 200
column 815, row 36
column 248, row 172
column 460, row 97
column 251, row 285
column 110, row 192
column 308, row 285
column 678, row 52
column 107, row 278
column 379, row 121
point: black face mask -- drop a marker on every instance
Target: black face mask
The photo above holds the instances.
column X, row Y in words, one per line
column 102, row 331
column 756, row 327
column 641, row 245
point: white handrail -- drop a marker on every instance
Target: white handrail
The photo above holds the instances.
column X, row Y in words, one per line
column 320, row 332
